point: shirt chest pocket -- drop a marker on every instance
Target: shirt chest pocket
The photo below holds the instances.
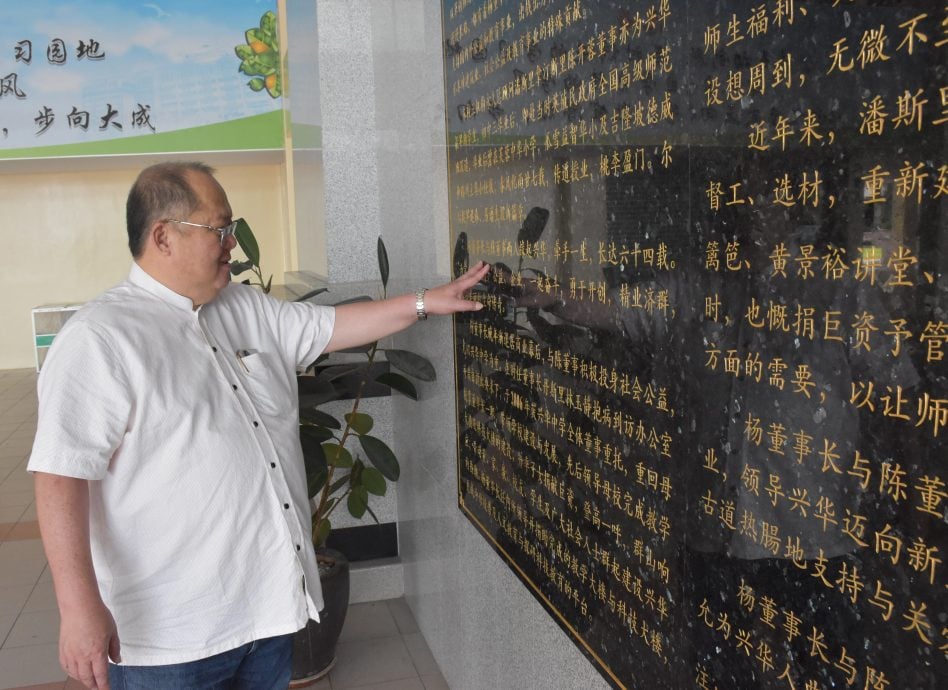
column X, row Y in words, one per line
column 266, row 383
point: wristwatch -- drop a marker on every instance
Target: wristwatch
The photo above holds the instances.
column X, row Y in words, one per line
column 420, row 304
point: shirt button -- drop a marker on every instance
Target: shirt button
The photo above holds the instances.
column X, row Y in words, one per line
column 213, row 348
column 273, row 464
column 256, row 424
column 297, row 547
column 235, row 386
column 286, row 506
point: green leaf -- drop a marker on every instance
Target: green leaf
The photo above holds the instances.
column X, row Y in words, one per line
column 255, row 67
column 314, row 460
column 358, row 501
column 310, row 294
column 338, row 371
column 323, row 527
column 374, row 482
column 319, row 418
column 270, row 61
column 268, row 24
column 399, row 383
column 244, row 235
column 314, row 391
column 238, row 267
column 361, row 423
column 381, row 456
column 315, row 482
column 243, row 51
column 337, row 456
column 266, row 288
column 338, row 484
column 253, row 35
column 318, row 434
column 255, row 84
column 412, row 364
column 312, row 442
column 383, row 262
column 353, row 300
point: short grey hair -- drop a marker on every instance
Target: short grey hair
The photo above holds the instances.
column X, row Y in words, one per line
column 160, row 191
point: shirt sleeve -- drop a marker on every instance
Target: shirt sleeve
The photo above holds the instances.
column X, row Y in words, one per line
column 85, row 403
column 303, row 328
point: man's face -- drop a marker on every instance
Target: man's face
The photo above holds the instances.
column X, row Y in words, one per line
column 202, row 264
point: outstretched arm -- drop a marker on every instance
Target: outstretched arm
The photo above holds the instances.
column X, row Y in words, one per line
column 87, row 633
column 365, row 322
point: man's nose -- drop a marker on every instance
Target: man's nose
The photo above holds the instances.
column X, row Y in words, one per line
column 230, row 241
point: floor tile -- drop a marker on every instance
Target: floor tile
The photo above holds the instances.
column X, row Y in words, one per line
column 16, row 498
column 13, row 599
column 17, row 481
column 6, row 625
column 42, row 598
column 404, row 618
column 404, row 684
column 30, row 666
column 322, row 684
column 26, row 529
column 369, row 662
column 435, row 681
column 420, row 654
column 9, row 467
column 11, row 514
column 368, row 620
column 33, row 628
column 21, row 566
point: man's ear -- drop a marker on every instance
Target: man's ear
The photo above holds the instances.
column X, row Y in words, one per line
column 159, row 237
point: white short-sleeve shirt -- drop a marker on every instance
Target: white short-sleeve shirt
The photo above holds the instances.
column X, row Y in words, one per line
column 186, row 422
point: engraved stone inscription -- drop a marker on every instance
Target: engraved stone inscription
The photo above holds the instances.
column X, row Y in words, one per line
column 703, row 414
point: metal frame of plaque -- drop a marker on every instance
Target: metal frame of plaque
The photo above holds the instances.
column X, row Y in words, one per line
column 703, row 413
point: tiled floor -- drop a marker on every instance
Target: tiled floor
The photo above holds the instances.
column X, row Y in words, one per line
column 380, row 647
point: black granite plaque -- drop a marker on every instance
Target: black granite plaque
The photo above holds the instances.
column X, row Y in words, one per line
column 703, row 414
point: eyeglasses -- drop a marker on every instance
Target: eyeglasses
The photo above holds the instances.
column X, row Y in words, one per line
column 224, row 232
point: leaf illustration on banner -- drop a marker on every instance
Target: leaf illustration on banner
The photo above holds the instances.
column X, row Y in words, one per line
column 260, row 56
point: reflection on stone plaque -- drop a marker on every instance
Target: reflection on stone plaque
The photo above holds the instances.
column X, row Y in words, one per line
column 703, row 414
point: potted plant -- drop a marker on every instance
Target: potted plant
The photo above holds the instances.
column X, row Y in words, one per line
column 345, row 463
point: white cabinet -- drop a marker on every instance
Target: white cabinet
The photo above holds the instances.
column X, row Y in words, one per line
column 48, row 319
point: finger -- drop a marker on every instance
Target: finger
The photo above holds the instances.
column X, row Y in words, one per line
column 86, row 676
column 100, row 670
column 471, row 305
column 473, row 275
column 115, row 649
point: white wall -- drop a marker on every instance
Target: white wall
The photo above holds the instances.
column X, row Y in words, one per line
column 63, row 233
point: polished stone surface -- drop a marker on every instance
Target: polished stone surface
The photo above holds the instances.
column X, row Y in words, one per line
column 703, row 413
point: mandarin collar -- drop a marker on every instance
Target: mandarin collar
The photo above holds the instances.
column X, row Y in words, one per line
column 140, row 277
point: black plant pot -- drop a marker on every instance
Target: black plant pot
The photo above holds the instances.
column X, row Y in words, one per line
column 314, row 647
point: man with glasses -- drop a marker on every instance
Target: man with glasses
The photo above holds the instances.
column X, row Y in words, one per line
column 170, row 486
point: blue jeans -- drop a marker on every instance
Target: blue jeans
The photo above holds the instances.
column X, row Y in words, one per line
column 259, row 665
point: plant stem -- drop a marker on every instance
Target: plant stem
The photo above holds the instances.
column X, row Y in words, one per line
column 318, row 515
column 324, row 496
